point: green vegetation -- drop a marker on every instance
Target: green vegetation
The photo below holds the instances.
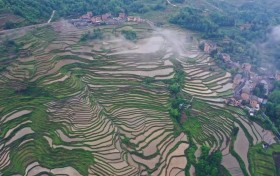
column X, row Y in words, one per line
column 95, row 34
column 261, row 160
column 208, row 164
column 20, row 93
column 192, row 19
column 9, row 46
column 235, row 28
column 129, row 34
column 72, row 112
column 273, row 105
column 149, row 80
column 84, row 101
column 39, row 150
column 192, row 125
column 9, row 50
column 189, row 153
column 35, row 11
column 177, row 101
column 259, row 90
column 178, row 1
column 49, row 157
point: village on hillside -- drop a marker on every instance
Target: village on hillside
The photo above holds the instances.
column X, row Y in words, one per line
column 245, row 82
column 89, row 19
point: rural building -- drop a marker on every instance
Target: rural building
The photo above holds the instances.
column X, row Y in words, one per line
column 237, row 102
column 237, row 79
column 245, row 94
column 209, row 47
column 253, row 84
column 87, row 16
column 96, row 19
column 134, row 19
column 251, row 112
column 245, row 26
column 246, row 67
column 122, row 15
column 130, row 18
column 225, row 57
column 106, row 16
column 264, row 71
column 254, row 103
column 260, row 100
column 254, row 79
column 233, row 101
column 277, row 76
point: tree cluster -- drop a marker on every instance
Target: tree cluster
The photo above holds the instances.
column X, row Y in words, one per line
column 37, row 11
column 9, row 46
column 259, row 90
column 8, row 49
column 177, row 101
column 178, row 1
column 193, row 19
column 129, row 34
column 235, row 29
column 209, row 164
column 96, row 34
column 273, row 105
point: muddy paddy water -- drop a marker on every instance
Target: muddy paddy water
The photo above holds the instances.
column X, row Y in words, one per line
column 241, row 146
column 232, row 165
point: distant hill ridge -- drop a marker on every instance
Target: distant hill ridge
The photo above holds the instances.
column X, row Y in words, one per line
column 37, row 11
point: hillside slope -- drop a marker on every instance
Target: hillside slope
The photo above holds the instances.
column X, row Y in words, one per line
column 36, row 11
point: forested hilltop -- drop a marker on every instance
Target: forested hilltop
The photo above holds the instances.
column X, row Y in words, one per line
column 238, row 27
column 35, row 11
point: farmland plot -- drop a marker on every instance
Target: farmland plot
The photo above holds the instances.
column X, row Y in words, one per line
column 102, row 106
column 89, row 105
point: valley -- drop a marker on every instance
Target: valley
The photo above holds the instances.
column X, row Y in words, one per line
column 103, row 106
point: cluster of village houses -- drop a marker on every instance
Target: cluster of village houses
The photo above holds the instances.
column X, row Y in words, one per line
column 245, row 82
column 107, row 18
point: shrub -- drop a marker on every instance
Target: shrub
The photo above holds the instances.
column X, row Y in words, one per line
column 129, row 34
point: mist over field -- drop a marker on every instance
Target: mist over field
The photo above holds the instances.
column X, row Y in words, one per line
column 270, row 48
column 275, row 34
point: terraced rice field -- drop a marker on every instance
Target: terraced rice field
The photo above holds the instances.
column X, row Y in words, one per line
column 101, row 107
column 208, row 86
column 88, row 104
column 264, row 161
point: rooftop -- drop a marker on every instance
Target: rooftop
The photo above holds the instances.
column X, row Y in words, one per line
column 254, row 98
column 246, row 90
column 238, row 76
